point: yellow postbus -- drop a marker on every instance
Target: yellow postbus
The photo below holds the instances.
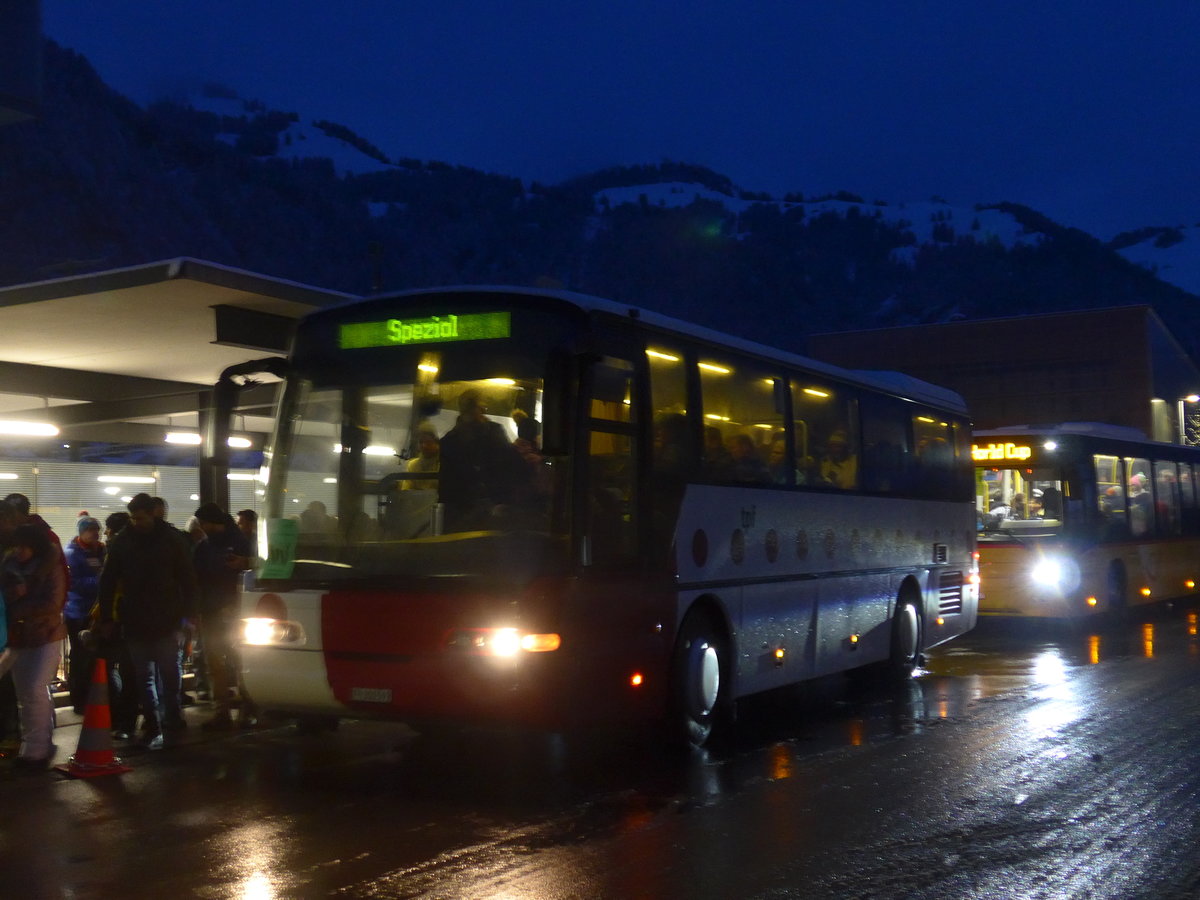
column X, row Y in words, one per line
column 1081, row 519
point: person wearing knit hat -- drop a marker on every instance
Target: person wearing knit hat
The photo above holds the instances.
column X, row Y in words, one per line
column 85, row 559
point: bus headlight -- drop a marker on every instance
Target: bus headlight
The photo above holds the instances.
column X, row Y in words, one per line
column 1055, row 572
column 502, row 642
column 262, row 632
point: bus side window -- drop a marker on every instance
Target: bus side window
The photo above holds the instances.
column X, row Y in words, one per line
column 742, row 416
column 885, row 445
column 934, row 455
column 611, row 510
column 672, row 451
column 828, row 450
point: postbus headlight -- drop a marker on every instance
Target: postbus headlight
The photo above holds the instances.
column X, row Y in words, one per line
column 263, row 632
column 1055, row 572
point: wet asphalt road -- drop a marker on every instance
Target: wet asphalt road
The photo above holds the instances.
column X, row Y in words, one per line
column 1038, row 764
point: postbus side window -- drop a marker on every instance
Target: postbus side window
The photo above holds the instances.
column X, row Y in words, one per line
column 1166, row 498
column 1110, row 497
column 1189, row 522
column 672, row 450
column 1140, row 498
column 743, row 418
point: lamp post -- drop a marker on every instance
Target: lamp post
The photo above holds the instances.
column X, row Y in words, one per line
column 1182, row 415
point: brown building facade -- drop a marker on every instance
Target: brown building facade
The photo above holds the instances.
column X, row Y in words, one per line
column 1120, row 366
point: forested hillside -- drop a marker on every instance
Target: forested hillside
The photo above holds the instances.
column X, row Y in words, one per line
column 100, row 182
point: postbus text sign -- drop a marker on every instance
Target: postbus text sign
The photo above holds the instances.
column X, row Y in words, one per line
column 1007, row 452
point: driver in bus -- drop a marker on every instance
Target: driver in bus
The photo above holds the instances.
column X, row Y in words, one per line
column 481, row 473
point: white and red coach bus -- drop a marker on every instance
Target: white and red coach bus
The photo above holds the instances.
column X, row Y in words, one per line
column 666, row 519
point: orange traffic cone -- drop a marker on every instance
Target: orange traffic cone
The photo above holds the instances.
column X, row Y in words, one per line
column 94, row 755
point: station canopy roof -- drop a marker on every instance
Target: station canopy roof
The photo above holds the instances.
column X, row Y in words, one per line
column 127, row 354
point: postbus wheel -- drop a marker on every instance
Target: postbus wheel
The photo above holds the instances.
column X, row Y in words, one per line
column 1116, row 587
column 699, row 679
column 906, row 638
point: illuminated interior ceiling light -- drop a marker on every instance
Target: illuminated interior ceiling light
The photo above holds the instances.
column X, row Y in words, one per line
column 764, row 425
column 1050, row 445
column 713, row 367
column 27, row 429
column 8, row 476
column 427, row 367
column 328, row 481
column 500, row 382
column 241, row 476
column 112, row 490
column 182, row 437
column 925, row 419
column 717, row 416
column 813, row 392
column 239, row 443
column 125, row 479
column 658, row 354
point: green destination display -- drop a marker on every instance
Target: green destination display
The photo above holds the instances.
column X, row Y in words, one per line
column 429, row 330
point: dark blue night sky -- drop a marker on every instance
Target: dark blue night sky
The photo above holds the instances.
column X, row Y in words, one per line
column 1083, row 109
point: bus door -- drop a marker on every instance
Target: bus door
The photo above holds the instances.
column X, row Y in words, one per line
column 613, row 612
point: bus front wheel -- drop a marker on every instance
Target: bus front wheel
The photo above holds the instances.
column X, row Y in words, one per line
column 1117, row 589
column 699, row 682
column 906, row 638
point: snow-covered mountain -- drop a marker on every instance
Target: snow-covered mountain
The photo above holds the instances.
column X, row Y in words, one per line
column 1171, row 253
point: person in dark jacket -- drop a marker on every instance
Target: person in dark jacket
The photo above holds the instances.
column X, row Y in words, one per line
column 149, row 566
column 85, row 558
column 32, row 580
column 220, row 559
column 481, row 472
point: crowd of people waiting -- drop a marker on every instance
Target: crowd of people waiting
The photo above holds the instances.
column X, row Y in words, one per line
column 145, row 598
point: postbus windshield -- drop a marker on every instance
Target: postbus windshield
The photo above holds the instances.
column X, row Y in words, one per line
column 423, row 461
column 1018, row 502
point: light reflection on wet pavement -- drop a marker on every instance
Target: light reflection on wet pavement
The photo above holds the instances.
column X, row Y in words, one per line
column 375, row 810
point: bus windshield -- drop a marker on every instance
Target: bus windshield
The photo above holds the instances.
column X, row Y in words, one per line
column 416, row 475
column 1015, row 502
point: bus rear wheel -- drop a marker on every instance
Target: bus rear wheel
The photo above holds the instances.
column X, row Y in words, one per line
column 699, row 680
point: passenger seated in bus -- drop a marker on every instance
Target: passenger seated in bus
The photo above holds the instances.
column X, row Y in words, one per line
column 1051, row 503
column 427, row 460
column 777, row 463
column 1018, row 509
column 1140, row 511
column 481, row 473
column 717, row 460
column 670, row 438
column 838, row 466
column 744, row 462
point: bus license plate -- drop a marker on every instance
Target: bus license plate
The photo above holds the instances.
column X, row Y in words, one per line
column 371, row 695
